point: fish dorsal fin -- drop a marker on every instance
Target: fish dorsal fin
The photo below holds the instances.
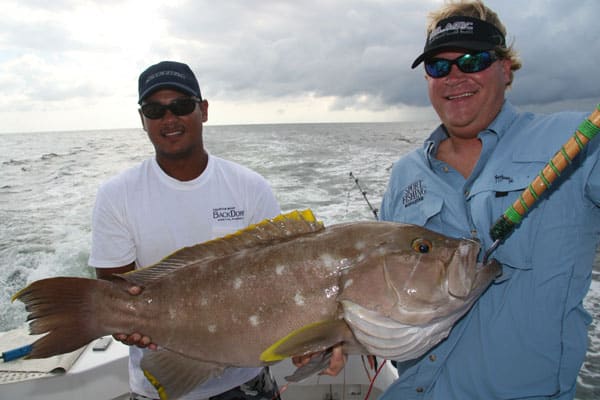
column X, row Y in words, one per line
column 282, row 227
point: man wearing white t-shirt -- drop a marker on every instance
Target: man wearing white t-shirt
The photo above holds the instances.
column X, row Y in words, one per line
column 180, row 197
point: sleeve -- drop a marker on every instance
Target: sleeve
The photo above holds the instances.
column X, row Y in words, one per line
column 388, row 202
column 266, row 205
column 593, row 181
column 112, row 243
column 384, row 210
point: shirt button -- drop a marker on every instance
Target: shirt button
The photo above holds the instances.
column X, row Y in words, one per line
column 467, row 193
column 419, row 389
column 432, row 357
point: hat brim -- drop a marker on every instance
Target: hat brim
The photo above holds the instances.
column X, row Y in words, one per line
column 458, row 45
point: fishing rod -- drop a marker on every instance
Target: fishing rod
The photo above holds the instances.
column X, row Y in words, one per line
column 364, row 193
column 513, row 215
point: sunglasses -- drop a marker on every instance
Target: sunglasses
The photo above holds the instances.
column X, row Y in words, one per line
column 468, row 63
column 179, row 107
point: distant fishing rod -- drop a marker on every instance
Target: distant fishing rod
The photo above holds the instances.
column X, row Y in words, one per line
column 364, row 193
column 513, row 215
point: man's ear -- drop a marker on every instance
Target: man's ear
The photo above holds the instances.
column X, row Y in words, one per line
column 142, row 119
column 204, row 109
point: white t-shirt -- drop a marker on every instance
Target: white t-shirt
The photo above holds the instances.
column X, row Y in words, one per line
column 143, row 215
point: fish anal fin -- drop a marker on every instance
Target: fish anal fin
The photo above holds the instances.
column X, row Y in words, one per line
column 308, row 339
column 280, row 228
column 173, row 375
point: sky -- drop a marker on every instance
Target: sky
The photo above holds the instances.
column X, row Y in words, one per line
column 74, row 64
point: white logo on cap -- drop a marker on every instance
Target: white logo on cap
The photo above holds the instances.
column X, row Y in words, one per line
column 166, row 73
column 464, row 27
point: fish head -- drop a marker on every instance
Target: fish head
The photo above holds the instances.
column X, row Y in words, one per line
column 413, row 275
column 410, row 288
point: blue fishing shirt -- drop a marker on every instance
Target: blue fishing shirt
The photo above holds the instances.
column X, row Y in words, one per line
column 526, row 337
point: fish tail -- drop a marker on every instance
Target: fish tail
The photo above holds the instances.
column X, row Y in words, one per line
column 65, row 309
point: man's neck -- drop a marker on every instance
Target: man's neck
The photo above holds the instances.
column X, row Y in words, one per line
column 184, row 169
column 460, row 154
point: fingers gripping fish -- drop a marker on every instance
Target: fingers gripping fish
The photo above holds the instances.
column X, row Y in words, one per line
column 282, row 288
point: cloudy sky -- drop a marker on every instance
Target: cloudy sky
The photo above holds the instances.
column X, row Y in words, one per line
column 73, row 64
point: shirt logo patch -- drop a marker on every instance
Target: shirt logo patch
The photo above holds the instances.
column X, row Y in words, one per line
column 414, row 193
column 500, row 178
column 228, row 214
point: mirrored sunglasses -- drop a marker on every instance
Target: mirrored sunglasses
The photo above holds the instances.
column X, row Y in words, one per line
column 468, row 63
column 179, row 107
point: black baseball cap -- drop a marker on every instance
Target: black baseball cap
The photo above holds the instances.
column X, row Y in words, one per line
column 461, row 33
column 168, row 75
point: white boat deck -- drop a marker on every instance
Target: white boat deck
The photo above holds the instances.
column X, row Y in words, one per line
column 102, row 375
column 94, row 375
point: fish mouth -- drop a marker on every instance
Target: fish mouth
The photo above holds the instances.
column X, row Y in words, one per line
column 387, row 338
column 462, row 271
column 467, row 278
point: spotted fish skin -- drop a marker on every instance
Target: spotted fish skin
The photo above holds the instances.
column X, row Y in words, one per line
column 284, row 287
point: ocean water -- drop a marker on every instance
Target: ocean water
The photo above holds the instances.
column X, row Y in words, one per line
column 49, row 181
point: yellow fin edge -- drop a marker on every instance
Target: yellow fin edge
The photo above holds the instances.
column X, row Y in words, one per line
column 159, row 388
column 303, row 215
column 270, row 355
column 17, row 295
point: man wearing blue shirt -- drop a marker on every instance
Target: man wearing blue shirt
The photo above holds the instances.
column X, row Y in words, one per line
column 526, row 337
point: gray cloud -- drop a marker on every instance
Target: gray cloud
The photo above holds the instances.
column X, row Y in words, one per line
column 344, row 49
column 354, row 49
column 356, row 52
column 558, row 45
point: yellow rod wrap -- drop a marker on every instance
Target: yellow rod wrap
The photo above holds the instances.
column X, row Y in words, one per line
column 586, row 131
column 595, row 117
column 552, row 170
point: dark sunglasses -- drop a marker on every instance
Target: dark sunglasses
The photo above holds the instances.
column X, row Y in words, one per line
column 468, row 63
column 179, row 107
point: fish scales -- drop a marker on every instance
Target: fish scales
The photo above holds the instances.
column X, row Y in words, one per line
column 282, row 288
column 291, row 284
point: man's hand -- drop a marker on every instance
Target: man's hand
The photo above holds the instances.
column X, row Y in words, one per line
column 135, row 339
column 336, row 364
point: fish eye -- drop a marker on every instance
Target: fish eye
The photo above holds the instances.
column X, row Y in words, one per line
column 421, row 245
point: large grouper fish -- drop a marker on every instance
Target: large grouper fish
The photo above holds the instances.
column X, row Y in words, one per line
column 285, row 287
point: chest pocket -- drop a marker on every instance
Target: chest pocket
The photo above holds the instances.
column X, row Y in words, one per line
column 507, row 186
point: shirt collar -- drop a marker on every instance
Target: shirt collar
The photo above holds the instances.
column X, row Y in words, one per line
column 505, row 118
column 432, row 143
column 499, row 126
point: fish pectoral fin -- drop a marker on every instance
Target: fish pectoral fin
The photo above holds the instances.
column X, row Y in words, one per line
column 174, row 375
column 310, row 338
